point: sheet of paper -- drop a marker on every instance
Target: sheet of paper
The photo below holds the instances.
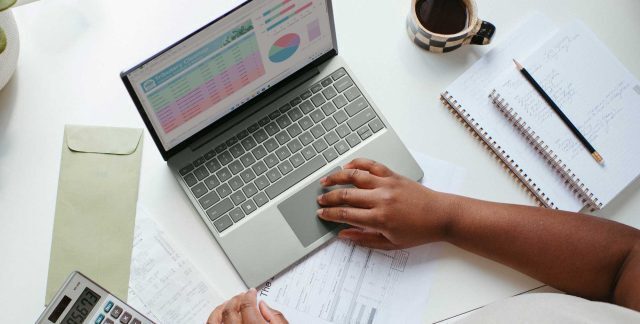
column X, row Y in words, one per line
column 596, row 92
column 345, row 283
column 164, row 284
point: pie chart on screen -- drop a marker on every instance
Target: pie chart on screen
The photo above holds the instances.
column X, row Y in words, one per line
column 284, row 48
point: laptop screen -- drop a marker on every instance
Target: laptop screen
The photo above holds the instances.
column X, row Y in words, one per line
column 214, row 71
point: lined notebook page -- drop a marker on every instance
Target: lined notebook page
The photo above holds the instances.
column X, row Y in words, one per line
column 471, row 91
column 596, row 92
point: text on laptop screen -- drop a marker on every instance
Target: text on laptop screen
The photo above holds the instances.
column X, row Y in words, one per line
column 216, row 70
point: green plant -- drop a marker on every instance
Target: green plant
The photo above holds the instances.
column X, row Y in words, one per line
column 4, row 5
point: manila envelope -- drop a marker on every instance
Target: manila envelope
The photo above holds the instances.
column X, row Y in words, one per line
column 96, row 207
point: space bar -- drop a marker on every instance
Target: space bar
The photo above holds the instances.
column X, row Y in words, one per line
column 295, row 176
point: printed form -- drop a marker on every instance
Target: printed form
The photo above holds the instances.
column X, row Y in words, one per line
column 346, row 283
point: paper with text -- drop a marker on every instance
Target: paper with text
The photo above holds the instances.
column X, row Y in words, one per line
column 346, row 283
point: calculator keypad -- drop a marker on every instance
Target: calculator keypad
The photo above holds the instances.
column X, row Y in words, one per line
column 118, row 315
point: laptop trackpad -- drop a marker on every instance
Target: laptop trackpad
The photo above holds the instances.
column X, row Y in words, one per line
column 300, row 209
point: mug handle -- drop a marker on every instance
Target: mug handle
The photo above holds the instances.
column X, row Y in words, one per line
column 482, row 33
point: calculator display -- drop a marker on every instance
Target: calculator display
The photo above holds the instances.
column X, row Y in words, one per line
column 82, row 307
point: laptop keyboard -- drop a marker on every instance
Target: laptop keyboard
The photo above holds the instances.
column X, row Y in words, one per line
column 262, row 161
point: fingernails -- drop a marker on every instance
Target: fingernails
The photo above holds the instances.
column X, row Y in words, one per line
column 252, row 290
column 323, row 181
column 319, row 199
column 319, row 212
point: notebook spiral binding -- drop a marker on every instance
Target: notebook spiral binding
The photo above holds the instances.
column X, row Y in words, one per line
column 575, row 185
column 501, row 156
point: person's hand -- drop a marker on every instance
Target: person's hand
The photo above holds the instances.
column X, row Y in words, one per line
column 388, row 211
column 244, row 309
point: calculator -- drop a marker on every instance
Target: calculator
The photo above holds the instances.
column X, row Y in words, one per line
column 82, row 301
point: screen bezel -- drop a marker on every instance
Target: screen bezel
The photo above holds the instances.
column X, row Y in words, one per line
column 166, row 154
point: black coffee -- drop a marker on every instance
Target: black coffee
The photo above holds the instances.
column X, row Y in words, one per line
column 442, row 16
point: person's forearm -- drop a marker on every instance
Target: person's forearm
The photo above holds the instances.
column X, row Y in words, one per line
column 579, row 254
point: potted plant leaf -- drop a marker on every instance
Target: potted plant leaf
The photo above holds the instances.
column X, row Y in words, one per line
column 9, row 44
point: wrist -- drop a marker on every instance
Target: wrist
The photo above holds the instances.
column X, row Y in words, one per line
column 452, row 211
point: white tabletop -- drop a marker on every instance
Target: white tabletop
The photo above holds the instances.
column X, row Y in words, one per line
column 73, row 50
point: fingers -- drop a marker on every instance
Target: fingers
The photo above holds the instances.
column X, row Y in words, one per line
column 347, row 196
column 372, row 166
column 230, row 312
column 356, row 177
column 368, row 239
column 271, row 315
column 248, row 307
column 216, row 315
column 347, row 215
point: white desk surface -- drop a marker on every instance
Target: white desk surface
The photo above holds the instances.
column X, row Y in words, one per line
column 73, row 50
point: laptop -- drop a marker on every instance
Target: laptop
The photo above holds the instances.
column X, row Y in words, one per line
column 249, row 112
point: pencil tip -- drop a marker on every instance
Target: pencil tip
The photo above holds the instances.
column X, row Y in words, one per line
column 598, row 157
column 518, row 64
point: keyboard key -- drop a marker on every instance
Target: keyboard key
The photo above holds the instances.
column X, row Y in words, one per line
column 356, row 106
column 295, row 114
column 222, row 223
column 271, row 145
column 294, row 145
column 209, row 155
column 330, row 154
column 236, row 214
column 236, row 150
column 259, row 168
column 224, row 174
column 208, row 200
column 343, row 84
column 220, row 148
column 230, row 142
column 225, row 157
column 353, row 139
column 272, row 128
column 295, row 101
column 283, row 137
column 254, row 127
column 213, row 165
column 305, row 95
column 285, row 167
column 199, row 161
column 271, row 160
column 352, row 93
column 340, row 116
column 294, row 130
column 305, row 123
column 283, row 121
column 247, row 175
column 326, row 82
column 224, row 190
column 248, row 143
column 190, row 179
column 376, row 125
column 317, row 131
column 116, row 312
column 341, row 147
column 317, row 115
column 318, row 100
column 329, row 92
column 284, row 108
column 235, row 167
column 186, row 169
column 366, row 133
column 250, row 190
column 247, row 159
column 242, row 134
column 306, row 138
column 295, row 176
column 331, row 138
column 340, row 101
column 329, row 124
column 263, row 121
column 273, row 175
column 328, row 108
column 306, row 107
column 199, row 190
column 211, row 182
column 248, row 207
column 260, row 136
column 343, row 130
column 126, row 318
column 338, row 74
column 238, row 197
column 320, row 145
column 296, row 160
column 360, row 119
column 260, row 199
column 135, row 321
column 261, row 182
column 316, row 87
column 201, row 173
column 308, row 152
column 274, row 114
column 236, row 183
column 283, row 153
column 259, row 152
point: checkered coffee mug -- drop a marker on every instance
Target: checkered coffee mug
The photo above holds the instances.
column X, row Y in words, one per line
column 476, row 31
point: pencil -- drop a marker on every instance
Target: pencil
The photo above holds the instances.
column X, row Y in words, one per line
column 596, row 156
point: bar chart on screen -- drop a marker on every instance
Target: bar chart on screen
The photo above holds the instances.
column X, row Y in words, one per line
column 286, row 13
column 207, row 76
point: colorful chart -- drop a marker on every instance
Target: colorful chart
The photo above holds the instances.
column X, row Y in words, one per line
column 284, row 48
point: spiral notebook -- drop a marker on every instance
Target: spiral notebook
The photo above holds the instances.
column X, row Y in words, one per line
column 589, row 84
